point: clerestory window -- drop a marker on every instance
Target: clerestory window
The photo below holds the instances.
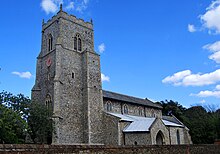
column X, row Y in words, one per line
column 109, row 106
column 125, row 109
column 77, row 43
column 140, row 111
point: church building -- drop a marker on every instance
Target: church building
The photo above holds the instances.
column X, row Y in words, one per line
column 68, row 80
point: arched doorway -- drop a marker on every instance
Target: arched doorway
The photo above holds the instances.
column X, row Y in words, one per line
column 159, row 138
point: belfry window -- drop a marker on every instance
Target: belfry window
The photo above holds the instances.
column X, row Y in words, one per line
column 125, row 109
column 50, row 42
column 109, row 106
column 77, row 43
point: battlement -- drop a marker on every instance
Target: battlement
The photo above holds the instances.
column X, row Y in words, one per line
column 66, row 16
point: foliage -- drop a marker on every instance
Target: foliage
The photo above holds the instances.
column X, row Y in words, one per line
column 18, row 116
column 12, row 122
column 40, row 124
column 216, row 120
column 171, row 107
column 203, row 123
column 12, row 126
column 17, row 103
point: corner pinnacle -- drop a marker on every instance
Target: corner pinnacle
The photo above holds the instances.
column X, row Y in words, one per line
column 61, row 7
column 91, row 21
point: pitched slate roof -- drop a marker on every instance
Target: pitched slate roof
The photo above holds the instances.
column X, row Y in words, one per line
column 138, row 124
column 168, row 123
column 171, row 119
column 129, row 99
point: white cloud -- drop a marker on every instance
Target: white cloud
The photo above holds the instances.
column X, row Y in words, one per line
column 191, row 28
column 70, row 6
column 101, row 48
column 82, row 6
column 214, row 47
column 186, row 78
column 177, row 77
column 210, row 19
column 217, row 87
column 105, row 78
column 216, row 57
column 26, row 75
column 202, row 101
column 51, row 6
column 207, row 93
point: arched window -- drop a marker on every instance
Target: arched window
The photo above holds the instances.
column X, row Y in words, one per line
column 125, row 109
column 140, row 111
column 77, row 43
column 178, row 136
column 109, row 106
column 136, row 111
column 48, row 103
column 152, row 113
column 50, row 42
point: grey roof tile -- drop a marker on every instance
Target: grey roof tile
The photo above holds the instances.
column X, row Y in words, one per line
column 169, row 123
column 171, row 119
column 129, row 99
column 138, row 124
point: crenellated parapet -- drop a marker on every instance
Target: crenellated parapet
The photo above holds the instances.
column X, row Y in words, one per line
column 66, row 16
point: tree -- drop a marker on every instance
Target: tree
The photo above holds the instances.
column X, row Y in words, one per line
column 201, row 125
column 12, row 125
column 40, row 123
column 214, row 112
column 18, row 104
column 171, row 107
column 203, row 122
column 216, row 120
column 19, row 117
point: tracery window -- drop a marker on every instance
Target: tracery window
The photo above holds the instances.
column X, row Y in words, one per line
column 125, row 109
column 50, row 42
column 109, row 106
column 77, row 43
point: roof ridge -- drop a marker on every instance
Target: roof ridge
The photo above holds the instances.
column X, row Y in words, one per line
column 129, row 96
column 133, row 98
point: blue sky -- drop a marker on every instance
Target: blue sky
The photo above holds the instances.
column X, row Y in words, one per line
column 155, row 49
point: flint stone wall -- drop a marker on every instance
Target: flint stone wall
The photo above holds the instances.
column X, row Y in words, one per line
column 101, row 149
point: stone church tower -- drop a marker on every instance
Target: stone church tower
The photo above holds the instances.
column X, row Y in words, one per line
column 68, row 79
